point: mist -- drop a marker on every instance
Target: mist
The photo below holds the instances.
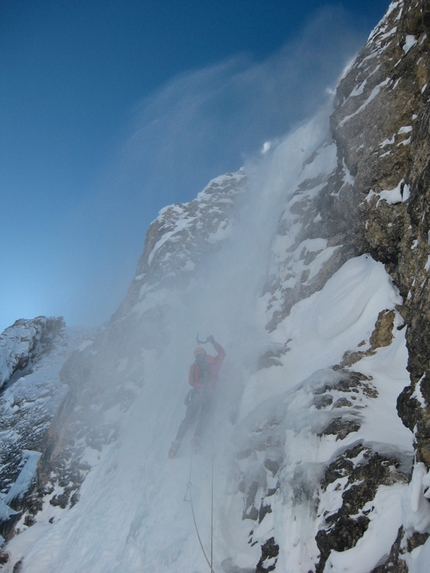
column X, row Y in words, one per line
column 199, row 125
column 208, row 121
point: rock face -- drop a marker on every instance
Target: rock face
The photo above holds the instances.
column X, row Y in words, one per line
column 33, row 352
column 23, row 342
column 375, row 201
column 381, row 126
column 183, row 235
column 324, row 452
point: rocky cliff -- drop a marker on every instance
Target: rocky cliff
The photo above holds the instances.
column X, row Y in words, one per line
column 32, row 352
column 375, row 201
column 313, row 264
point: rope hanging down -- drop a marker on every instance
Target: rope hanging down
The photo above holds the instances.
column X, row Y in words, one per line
column 188, row 497
column 212, row 502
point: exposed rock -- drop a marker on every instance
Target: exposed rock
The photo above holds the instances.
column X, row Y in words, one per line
column 383, row 333
column 24, row 342
column 380, row 337
column 365, row 471
column 272, row 357
column 269, row 553
column 416, row 540
column 357, row 472
column 376, row 199
column 341, row 428
column 183, row 235
column 38, row 349
column 17, row 568
column 381, row 126
column 394, row 562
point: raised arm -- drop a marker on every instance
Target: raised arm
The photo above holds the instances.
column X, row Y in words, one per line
column 219, row 358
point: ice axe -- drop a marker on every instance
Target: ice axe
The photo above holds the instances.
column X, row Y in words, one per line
column 208, row 339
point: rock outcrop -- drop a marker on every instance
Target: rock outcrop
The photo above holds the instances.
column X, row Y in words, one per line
column 33, row 352
column 381, row 126
column 24, row 342
column 183, row 236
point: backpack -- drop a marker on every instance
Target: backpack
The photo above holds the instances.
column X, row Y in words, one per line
column 205, row 376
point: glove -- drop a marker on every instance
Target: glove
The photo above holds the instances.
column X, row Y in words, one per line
column 211, row 339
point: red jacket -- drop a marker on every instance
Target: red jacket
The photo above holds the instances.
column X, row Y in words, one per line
column 215, row 364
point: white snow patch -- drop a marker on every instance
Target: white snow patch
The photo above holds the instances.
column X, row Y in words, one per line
column 416, row 507
column 410, row 42
column 26, row 476
column 389, row 33
column 388, row 141
column 405, row 129
column 348, row 178
column 405, row 141
column 420, row 559
column 399, row 194
column 320, row 327
column 358, row 90
column 85, row 344
column 266, row 146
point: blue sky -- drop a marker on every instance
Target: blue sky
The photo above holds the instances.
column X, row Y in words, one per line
column 112, row 109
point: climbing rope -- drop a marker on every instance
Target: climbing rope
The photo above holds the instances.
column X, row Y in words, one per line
column 212, row 501
column 188, row 497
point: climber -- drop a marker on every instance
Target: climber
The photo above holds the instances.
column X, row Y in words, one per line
column 203, row 378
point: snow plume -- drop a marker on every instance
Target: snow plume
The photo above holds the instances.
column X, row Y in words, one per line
column 200, row 124
column 203, row 122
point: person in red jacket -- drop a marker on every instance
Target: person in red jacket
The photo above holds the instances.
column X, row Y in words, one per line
column 203, row 377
